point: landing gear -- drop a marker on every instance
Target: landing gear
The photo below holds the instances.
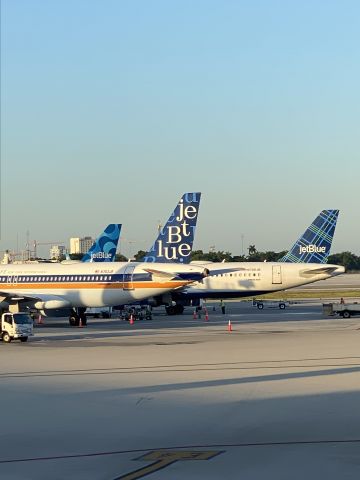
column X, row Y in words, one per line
column 174, row 309
column 78, row 315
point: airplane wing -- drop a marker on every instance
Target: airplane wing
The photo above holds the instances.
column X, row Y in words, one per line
column 38, row 301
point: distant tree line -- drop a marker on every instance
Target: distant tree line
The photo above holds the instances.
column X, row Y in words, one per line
column 350, row 261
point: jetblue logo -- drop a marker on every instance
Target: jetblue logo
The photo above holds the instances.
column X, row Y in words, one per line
column 174, row 242
column 312, row 249
column 102, row 255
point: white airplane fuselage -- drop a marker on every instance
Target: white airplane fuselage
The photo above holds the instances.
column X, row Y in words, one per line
column 254, row 278
column 50, row 285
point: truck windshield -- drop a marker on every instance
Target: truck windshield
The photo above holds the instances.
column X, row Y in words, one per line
column 22, row 318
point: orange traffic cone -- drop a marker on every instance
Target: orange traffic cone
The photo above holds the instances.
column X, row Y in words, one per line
column 131, row 319
column 229, row 326
column 206, row 315
column 194, row 315
column 40, row 319
column 80, row 323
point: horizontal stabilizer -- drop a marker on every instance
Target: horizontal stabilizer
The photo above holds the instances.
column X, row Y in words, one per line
column 325, row 270
column 158, row 274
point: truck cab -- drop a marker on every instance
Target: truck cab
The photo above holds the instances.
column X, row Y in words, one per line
column 16, row 326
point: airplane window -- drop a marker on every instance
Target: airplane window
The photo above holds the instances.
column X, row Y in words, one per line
column 63, row 279
column 72, row 278
column 92, row 278
column 88, row 278
column 67, row 279
column 31, row 279
column 97, row 278
column 80, row 278
column 105, row 278
column 51, row 279
column 254, row 274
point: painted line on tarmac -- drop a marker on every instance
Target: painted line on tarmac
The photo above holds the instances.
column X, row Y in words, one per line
column 162, row 459
column 180, row 447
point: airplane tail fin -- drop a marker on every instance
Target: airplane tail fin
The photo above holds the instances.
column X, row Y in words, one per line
column 104, row 247
column 175, row 240
column 315, row 243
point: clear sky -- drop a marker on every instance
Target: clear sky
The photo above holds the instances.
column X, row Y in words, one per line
column 112, row 109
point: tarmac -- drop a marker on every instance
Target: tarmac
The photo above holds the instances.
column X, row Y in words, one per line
column 182, row 398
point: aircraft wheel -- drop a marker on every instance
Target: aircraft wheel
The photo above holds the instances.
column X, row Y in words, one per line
column 179, row 309
column 260, row 306
column 23, row 339
column 170, row 310
column 282, row 306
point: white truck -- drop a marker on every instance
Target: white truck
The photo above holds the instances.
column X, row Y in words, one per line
column 16, row 326
column 345, row 310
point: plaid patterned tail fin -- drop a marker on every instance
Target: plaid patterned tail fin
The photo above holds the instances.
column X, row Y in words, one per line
column 315, row 244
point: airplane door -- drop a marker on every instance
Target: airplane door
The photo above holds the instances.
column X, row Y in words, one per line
column 9, row 279
column 128, row 277
column 276, row 274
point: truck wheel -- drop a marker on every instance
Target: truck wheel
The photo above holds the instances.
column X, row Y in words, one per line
column 260, row 306
column 23, row 339
column 6, row 337
column 346, row 314
column 282, row 306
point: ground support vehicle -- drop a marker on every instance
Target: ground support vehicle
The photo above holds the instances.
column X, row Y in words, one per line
column 260, row 304
column 345, row 310
column 137, row 312
column 16, row 326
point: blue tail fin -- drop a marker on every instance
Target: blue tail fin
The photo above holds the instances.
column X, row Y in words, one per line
column 104, row 247
column 175, row 240
column 314, row 245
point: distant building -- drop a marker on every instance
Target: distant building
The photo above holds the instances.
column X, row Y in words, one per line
column 80, row 245
column 6, row 258
column 57, row 251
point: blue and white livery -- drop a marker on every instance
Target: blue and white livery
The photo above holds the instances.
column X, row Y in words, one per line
column 104, row 247
column 315, row 243
column 175, row 240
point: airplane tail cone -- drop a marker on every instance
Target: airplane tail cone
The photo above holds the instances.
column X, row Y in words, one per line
column 229, row 326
